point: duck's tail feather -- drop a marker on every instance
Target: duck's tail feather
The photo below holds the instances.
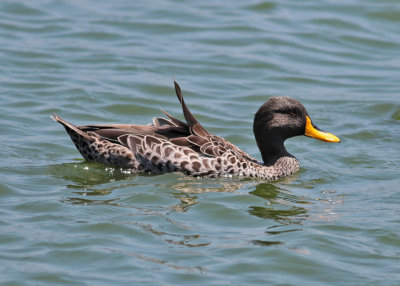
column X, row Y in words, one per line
column 190, row 119
column 176, row 122
column 70, row 127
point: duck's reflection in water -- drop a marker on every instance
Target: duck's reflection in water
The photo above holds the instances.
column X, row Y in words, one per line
column 93, row 180
column 281, row 207
column 90, row 181
column 200, row 186
column 85, row 179
column 189, row 188
column 86, row 176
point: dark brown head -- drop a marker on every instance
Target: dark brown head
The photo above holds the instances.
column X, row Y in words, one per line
column 281, row 118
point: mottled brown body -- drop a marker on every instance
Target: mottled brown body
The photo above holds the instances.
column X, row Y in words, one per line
column 155, row 155
column 170, row 145
column 100, row 150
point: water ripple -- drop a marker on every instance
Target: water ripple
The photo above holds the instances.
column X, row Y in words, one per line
column 66, row 221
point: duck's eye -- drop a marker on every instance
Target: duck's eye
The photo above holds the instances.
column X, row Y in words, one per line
column 292, row 113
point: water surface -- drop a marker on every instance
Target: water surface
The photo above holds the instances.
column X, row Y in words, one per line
column 68, row 222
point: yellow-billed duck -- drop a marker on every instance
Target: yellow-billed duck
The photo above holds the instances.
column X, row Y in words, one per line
column 171, row 145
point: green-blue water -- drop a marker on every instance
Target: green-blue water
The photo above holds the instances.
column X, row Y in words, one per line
column 67, row 222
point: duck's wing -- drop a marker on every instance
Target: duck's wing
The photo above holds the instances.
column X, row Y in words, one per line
column 200, row 139
column 161, row 128
column 198, row 153
column 112, row 132
column 190, row 134
column 215, row 146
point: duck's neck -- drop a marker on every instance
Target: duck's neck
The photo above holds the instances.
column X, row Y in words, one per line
column 272, row 147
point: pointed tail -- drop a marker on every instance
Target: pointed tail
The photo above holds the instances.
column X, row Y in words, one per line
column 194, row 125
column 70, row 127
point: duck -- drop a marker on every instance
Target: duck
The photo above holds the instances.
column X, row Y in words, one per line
column 171, row 145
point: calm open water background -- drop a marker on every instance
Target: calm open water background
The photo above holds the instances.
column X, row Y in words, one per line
column 67, row 222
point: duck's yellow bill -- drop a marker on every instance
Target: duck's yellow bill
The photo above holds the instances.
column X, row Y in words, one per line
column 311, row 131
